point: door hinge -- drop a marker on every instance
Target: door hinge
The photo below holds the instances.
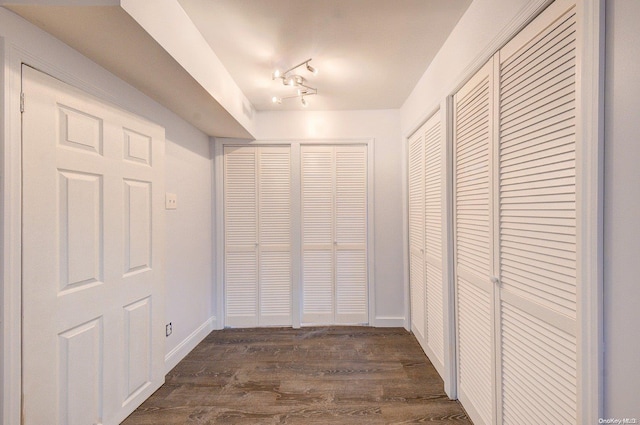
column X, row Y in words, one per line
column 22, row 102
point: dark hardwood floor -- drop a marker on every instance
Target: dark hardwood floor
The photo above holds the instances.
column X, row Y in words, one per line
column 329, row 375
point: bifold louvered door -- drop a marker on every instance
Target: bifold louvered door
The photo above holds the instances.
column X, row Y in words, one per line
column 257, row 218
column 474, row 245
column 334, row 234
column 434, row 155
column 426, row 192
column 515, row 227
column 416, row 235
column 537, row 213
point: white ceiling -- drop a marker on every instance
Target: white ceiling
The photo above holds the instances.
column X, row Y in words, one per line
column 369, row 53
column 218, row 55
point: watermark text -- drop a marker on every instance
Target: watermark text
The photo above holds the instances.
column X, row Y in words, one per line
column 618, row 421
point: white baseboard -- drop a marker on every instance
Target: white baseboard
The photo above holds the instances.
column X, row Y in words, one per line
column 172, row 358
column 389, row 322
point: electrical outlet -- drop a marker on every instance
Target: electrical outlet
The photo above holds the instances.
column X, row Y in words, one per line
column 169, row 329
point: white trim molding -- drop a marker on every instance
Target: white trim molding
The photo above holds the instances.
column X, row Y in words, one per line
column 590, row 201
column 450, row 348
column 389, row 322
column 11, row 236
column 180, row 351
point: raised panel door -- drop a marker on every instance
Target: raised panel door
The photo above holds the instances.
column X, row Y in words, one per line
column 93, row 268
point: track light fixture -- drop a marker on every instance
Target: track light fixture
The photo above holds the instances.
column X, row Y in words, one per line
column 291, row 79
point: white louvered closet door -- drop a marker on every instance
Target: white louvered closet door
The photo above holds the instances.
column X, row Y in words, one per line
column 257, row 217
column 416, row 234
column 473, row 245
column 433, row 241
column 317, row 234
column 351, row 234
column 274, row 235
column 426, row 191
column 241, row 236
column 537, row 211
column 334, row 234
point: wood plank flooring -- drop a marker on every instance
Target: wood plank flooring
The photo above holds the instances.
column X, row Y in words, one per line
column 328, row 375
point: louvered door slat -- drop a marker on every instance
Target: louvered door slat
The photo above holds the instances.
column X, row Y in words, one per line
column 351, row 195
column 351, row 286
column 317, row 196
column 536, row 80
column 475, row 347
column 467, row 106
column 275, row 288
column 435, row 314
column 317, row 266
column 554, row 95
column 557, row 151
column 241, row 288
column 240, row 197
column 552, row 171
column 524, row 371
column 537, row 213
column 539, row 56
column 417, row 290
column 275, row 196
column 560, row 250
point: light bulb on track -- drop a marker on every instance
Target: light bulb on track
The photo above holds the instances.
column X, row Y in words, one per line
column 312, row 70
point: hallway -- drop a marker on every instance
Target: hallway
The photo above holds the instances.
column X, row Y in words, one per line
column 333, row 375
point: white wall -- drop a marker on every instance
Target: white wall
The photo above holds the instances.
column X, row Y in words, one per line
column 189, row 241
column 480, row 32
column 188, row 173
column 384, row 127
column 622, row 211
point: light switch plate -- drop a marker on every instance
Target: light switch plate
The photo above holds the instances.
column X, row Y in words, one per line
column 171, row 201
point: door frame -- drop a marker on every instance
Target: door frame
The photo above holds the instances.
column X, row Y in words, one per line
column 296, row 240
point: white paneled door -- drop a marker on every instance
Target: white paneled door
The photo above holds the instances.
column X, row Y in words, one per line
column 334, row 234
column 93, row 273
column 257, row 217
